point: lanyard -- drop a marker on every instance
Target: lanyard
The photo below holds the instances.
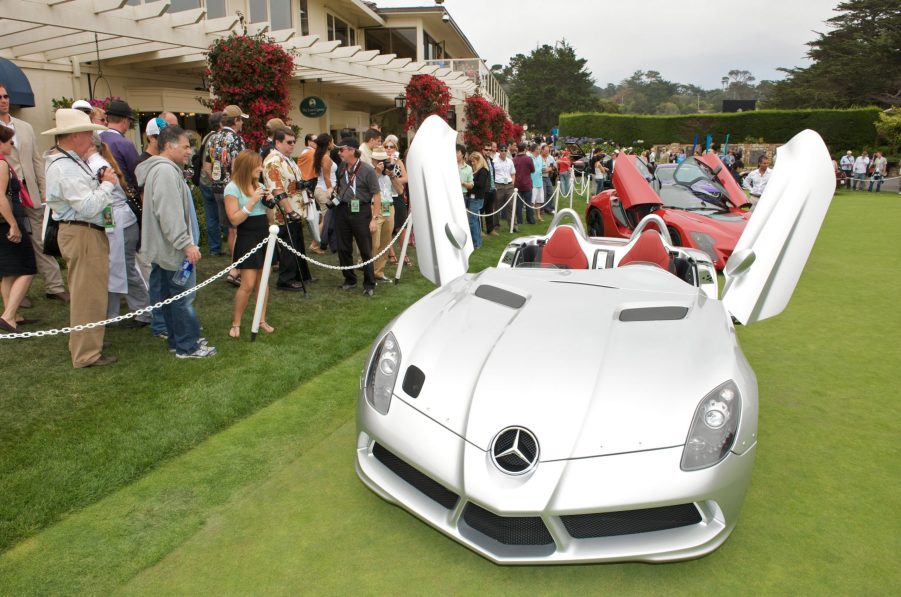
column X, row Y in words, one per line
column 352, row 180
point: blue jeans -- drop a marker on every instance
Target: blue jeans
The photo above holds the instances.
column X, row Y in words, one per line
column 475, row 227
column 180, row 316
column 877, row 178
column 211, row 214
column 859, row 179
column 548, row 192
column 566, row 179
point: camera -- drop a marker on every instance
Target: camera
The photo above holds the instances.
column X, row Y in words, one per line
column 269, row 201
column 101, row 172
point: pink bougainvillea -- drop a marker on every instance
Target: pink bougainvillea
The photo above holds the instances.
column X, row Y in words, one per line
column 252, row 72
column 426, row 95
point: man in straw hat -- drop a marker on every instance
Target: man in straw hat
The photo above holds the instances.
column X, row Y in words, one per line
column 81, row 204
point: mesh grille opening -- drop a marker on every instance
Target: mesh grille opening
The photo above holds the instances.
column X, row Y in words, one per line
column 611, row 524
column 509, row 530
column 428, row 487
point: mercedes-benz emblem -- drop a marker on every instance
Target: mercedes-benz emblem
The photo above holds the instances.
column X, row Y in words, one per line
column 515, row 450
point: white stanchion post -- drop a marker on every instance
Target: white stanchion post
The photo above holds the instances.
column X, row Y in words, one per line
column 264, row 282
column 514, row 207
column 403, row 250
column 557, row 195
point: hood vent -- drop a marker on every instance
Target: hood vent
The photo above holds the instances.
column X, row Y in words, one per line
column 653, row 314
column 500, row 296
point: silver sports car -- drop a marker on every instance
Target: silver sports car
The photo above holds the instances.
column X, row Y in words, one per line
column 586, row 400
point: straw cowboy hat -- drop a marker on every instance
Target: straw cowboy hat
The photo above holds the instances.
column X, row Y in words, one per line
column 379, row 154
column 72, row 121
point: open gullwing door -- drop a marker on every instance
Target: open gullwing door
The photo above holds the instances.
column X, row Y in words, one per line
column 443, row 240
column 770, row 255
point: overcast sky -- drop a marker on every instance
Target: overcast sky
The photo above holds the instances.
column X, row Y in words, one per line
column 687, row 41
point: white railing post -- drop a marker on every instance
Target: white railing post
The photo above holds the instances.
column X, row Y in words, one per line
column 264, row 282
column 403, row 248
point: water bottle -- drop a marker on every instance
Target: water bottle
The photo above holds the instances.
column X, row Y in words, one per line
column 183, row 274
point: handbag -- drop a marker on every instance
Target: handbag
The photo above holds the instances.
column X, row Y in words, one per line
column 50, row 234
column 312, row 217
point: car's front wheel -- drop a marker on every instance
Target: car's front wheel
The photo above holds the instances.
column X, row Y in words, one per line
column 595, row 223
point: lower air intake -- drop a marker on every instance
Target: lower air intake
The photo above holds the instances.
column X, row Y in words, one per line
column 509, row 530
column 431, row 489
column 611, row 524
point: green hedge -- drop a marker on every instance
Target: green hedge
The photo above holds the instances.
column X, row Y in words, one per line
column 841, row 129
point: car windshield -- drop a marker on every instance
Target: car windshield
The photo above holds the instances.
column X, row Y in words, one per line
column 698, row 178
column 665, row 175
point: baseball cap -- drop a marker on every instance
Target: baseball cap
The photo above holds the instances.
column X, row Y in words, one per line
column 502, row 146
column 273, row 124
column 234, row 111
column 349, row 142
column 82, row 105
column 154, row 126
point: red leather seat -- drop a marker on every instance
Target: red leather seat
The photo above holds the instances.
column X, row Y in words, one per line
column 563, row 250
column 649, row 249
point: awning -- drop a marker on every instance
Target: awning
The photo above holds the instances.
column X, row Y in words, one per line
column 17, row 85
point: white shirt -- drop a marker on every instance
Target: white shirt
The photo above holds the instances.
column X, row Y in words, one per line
column 756, row 182
column 860, row 165
column 73, row 192
column 504, row 170
column 847, row 162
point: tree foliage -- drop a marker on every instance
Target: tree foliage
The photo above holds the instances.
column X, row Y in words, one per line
column 889, row 128
column 545, row 83
column 857, row 63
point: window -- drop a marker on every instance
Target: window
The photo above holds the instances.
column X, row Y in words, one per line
column 341, row 31
column 277, row 12
column 401, row 42
column 215, row 9
column 304, row 18
column 180, row 5
column 431, row 49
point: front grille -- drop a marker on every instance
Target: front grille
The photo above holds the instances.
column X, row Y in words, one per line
column 431, row 489
column 509, row 530
column 610, row 524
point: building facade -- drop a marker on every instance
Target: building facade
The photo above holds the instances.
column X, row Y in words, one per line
column 355, row 56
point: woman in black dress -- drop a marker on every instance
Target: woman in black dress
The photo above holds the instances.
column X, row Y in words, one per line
column 17, row 265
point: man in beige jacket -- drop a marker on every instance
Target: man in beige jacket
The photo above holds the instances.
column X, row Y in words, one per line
column 26, row 160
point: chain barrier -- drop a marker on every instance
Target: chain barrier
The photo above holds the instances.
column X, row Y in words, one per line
column 863, row 180
column 168, row 301
column 497, row 211
column 400, row 233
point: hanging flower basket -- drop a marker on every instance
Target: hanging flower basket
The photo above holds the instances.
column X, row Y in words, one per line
column 252, row 72
column 486, row 122
column 426, row 95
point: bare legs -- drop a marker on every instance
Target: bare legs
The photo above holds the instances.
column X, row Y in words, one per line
column 13, row 289
column 250, row 279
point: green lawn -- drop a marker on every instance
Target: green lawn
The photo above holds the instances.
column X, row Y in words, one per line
column 235, row 475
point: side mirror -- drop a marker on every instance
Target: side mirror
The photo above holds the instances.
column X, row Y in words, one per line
column 740, row 262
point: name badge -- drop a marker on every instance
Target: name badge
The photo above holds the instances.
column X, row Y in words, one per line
column 386, row 210
column 108, row 218
column 355, row 205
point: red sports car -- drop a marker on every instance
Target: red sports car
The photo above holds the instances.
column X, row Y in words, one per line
column 699, row 201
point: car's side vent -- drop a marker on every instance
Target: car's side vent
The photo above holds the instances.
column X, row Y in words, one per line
column 653, row 314
column 500, row 296
column 413, row 381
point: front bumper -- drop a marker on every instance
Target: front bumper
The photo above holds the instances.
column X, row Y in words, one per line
column 412, row 461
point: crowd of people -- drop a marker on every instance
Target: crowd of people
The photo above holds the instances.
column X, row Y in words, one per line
column 854, row 173
column 125, row 223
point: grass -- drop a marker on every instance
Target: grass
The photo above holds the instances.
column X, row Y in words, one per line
column 233, row 476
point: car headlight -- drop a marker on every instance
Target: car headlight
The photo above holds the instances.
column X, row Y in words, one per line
column 382, row 373
column 706, row 243
column 713, row 428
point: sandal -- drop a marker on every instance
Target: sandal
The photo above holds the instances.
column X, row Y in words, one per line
column 266, row 327
column 407, row 261
column 234, row 331
column 233, row 280
column 392, row 259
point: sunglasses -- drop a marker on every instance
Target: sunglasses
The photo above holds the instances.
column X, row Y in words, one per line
column 4, row 97
column 390, row 147
column 290, row 142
